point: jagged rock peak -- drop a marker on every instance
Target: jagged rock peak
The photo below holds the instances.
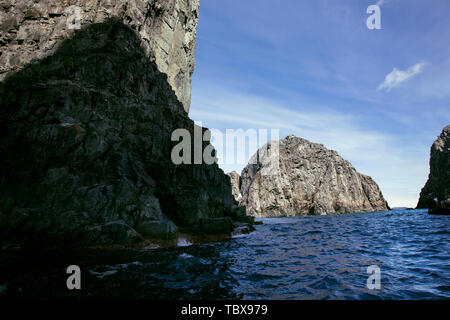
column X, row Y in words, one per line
column 31, row 30
column 306, row 179
column 438, row 184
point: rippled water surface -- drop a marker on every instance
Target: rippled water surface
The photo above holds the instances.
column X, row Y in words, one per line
column 323, row 257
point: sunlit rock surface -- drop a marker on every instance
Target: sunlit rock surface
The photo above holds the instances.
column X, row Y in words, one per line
column 307, row 180
column 31, row 30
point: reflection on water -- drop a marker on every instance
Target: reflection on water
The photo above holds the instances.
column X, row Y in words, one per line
column 324, row 257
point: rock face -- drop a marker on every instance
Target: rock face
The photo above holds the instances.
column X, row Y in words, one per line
column 308, row 180
column 235, row 180
column 86, row 149
column 438, row 184
column 31, row 30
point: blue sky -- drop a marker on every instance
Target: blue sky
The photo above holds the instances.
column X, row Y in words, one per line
column 312, row 68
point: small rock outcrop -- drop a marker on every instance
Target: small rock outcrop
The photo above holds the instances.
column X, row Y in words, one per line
column 32, row 30
column 235, row 180
column 435, row 194
column 86, row 150
column 308, row 180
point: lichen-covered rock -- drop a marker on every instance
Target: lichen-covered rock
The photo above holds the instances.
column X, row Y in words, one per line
column 438, row 184
column 31, row 30
column 308, row 180
column 85, row 138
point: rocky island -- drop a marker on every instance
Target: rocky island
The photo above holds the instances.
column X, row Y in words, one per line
column 435, row 195
column 308, row 180
column 88, row 107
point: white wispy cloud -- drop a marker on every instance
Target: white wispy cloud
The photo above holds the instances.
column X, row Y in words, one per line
column 398, row 76
column 382, row 2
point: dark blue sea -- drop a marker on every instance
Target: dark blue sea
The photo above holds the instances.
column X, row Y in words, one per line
column 315, row 257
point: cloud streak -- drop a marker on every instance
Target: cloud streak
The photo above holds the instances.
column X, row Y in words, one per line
column 398, row 76
column 382, row 2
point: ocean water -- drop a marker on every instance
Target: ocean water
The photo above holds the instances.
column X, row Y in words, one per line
column 318, row 257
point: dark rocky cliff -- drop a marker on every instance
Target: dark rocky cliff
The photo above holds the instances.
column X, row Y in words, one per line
column 86, row 150
column 308, row 180
column 438, row 184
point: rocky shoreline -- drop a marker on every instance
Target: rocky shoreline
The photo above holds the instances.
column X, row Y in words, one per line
column 91, row 94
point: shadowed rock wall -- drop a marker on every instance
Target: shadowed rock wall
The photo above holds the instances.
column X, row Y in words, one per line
column 85, row 139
